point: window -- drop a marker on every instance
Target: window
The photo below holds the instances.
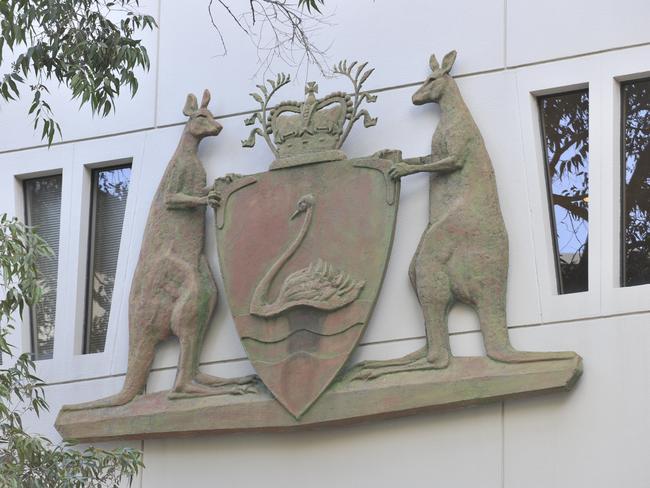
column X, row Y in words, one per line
column 565, row 131
column 635, row 179
column 110, row 188
column 43, row 212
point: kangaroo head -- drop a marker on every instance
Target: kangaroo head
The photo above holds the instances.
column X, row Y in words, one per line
column 436, row 84
column 201, row 122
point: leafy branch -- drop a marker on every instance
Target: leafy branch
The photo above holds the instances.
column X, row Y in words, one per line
column 27, row 460
column 76, row 44
column 358, row 79
column 311, row 4
column 263, row 98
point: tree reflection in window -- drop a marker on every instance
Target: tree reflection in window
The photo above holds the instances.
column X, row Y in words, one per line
column 110, row 188
column 635, row 131
column 565, row 136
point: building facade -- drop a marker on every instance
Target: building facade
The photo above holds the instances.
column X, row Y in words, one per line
column 557, row 90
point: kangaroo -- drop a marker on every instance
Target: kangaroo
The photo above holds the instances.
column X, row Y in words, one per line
column 463, row 253
column 173, row 291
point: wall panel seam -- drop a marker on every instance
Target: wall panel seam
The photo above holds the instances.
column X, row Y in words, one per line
column 376, row 90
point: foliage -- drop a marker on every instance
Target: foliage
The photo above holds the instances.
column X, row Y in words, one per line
column 81, row 44
column 311, row 4
column 28, row 461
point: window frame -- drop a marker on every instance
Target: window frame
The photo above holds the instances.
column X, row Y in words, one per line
column 90, row 248
column 532, row 82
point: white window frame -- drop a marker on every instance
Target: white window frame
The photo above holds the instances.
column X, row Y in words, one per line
column 618, row 66
column 75, row 162
column 546, row 79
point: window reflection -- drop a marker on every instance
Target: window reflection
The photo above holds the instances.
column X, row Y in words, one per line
column 110, row 191
column 565, row 131
column 635, row 99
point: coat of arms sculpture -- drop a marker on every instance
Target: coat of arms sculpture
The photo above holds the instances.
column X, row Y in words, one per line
column 303, row 249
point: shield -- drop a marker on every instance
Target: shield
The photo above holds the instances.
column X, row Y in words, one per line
column 303, row 251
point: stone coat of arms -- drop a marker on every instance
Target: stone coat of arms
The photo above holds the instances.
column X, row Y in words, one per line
column 303, row 249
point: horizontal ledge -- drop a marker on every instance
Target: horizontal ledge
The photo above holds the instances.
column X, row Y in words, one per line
column 466, row 381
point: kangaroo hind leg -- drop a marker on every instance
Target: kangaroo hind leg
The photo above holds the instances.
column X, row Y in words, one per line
column 492, row 317
column 189, row 320
column 187, row 385
column 435, row 298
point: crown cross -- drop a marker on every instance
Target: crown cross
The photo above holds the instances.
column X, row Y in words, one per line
column 305, row 129
column 308, row 107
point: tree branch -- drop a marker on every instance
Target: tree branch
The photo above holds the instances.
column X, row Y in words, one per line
column 568, row 203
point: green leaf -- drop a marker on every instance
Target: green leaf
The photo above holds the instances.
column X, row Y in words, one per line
column 311, row 4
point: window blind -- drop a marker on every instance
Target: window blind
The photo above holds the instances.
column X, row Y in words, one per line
column 43, row 212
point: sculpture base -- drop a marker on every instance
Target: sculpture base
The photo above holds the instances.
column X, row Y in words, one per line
column 466, row 381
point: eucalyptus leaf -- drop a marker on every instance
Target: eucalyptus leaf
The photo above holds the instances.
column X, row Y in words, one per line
column 76, row 43
column 29, row 460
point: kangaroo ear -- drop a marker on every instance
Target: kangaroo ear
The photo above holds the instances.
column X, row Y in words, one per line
column 206, row 98
column 448, row 61
column 433, row 63
column 191, row 105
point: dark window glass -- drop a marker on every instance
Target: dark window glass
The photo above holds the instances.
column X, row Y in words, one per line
column 635, row 205
column 565, row 131
column 110, row 188
column 43, row 212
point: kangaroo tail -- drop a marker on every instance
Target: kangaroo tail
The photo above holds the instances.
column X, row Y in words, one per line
column 137, row 372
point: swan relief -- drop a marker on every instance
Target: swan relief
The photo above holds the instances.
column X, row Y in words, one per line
column 319, row 285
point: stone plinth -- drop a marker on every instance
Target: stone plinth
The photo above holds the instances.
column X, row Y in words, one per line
column 467, row 381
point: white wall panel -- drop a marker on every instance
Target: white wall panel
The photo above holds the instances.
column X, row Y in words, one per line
column 538, row 31
column 395, row 40
column 412, row 451
column 597, row 435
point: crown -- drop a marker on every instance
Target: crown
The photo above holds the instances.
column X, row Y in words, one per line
column 313, row 130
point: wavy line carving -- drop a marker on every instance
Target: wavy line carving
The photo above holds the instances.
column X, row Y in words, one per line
column 286, row 336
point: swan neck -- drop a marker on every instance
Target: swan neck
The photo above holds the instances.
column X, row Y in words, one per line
column 265, row 284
